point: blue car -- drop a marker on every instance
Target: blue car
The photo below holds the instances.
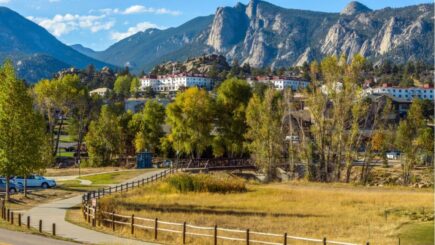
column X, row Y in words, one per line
column 13, row 188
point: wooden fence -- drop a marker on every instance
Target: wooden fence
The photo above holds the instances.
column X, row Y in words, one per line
column 97, row 217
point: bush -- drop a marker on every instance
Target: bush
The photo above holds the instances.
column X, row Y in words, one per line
column 206, row 183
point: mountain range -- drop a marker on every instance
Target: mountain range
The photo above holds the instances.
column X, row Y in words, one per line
column 35, row 52
column 263, row 34
column 258, row 33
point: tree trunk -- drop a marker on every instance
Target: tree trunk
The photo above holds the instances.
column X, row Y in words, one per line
column 25, row 186
column 7, row 188
column 58, row 136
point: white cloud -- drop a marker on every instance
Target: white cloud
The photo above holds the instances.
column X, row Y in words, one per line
column 117, row 36
column 4, row 1
column 63, row 24
column 136, row 9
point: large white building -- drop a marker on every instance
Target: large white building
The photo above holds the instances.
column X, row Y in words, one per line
column 280, row 83
column 171, row 83
column 407, row 94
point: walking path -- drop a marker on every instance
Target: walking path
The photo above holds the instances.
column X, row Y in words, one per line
column 55, row 212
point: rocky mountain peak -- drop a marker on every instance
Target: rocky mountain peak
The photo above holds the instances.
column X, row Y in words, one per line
column 251, row 9
column 355, row 7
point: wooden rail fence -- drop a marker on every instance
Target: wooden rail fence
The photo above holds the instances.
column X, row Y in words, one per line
column 96, row 217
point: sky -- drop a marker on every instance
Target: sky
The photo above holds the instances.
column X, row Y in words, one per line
column 97, row 24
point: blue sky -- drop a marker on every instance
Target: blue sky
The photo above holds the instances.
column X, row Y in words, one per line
column 99, row 23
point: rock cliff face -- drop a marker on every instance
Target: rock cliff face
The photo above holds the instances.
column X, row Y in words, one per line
column 279, row 37
column 263, row 34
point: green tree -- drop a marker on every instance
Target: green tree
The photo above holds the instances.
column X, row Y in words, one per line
column 135, row 87
column 56, row 99
column 22, row 139
column 104, row 138
column 149, row 92
column 122, row 85
column 232, row 98
column 149, row 124
column 264, row 134
column 190, row 117
column 412, row 137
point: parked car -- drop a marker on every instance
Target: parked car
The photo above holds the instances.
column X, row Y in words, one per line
column 166, row 164
column 13, row 188
column 35, row 181
column 393, row 155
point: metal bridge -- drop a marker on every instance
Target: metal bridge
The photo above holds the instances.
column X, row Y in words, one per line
column 215, row 164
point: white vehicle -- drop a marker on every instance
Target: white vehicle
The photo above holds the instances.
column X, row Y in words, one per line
column 393, row 155
column 35, row 181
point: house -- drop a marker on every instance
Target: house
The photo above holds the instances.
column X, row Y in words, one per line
column 279, row 82
column 175, row 82
column 406, row 94
column 100, row 91
column 400, row 105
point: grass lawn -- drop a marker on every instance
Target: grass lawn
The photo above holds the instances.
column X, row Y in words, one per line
column 23, row 228
column 417, row 234
column 63, row 153
column 38, row 196
column 66, row 139
column 115, row 177
column 337, row 211
column 75, row 171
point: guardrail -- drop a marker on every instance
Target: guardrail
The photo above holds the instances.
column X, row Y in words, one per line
column 97, row 217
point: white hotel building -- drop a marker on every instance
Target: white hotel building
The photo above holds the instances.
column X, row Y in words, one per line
column 280, row 83
column 406, row 94
column 172, row 83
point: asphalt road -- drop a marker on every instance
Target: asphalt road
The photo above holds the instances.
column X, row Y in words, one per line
column 8, row 237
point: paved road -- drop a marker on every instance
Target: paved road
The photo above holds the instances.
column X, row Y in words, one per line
column 54, row 212
column 8, row 237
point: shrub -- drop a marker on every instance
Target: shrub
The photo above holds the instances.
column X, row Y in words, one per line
column 206, row 183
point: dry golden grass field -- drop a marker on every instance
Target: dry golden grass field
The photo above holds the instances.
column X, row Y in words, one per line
column 339, row 212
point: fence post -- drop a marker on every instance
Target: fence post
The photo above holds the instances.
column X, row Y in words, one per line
column 89, row 214
column 28, row 222
column 184, row 233
column 40, row 225
column 8, row 214
column 54, row 229
column 156, row 224
column 247, row 236
column 399, row 240
column 94, row 220
column 285, row 238
column 132, row 224
column 368, row 243
column 324, row 241
column 19, row 219
column 12, row 217
column 126, row 189
column 110, row 190
column 215, row 235
column 113, row 221
column 121, row 188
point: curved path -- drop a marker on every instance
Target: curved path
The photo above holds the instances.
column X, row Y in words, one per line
column 55, row 212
